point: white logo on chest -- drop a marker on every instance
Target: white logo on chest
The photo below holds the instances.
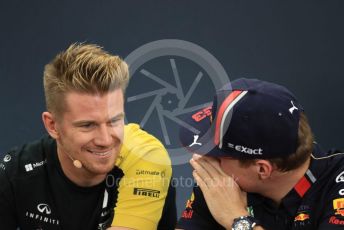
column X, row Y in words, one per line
column 44, row 208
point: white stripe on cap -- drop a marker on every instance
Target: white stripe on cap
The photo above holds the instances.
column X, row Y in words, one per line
column 229, row 108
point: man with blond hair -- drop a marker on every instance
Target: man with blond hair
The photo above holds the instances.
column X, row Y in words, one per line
column 92, row 171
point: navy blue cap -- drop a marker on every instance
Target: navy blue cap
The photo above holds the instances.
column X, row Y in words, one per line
column 249, row 118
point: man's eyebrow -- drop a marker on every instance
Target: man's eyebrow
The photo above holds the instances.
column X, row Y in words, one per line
column 118, row 116
column 82, row 122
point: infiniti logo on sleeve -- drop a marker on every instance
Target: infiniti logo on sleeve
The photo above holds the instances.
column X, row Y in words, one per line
column 44, row 208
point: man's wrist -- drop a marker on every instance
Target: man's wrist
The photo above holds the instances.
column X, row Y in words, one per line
column 230, row 221
column 246, row 222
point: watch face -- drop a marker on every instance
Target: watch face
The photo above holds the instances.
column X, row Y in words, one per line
column 242, row 225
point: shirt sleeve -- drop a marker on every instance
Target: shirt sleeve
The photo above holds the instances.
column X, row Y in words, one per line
column 333, row 212
column 169, row 214
column 196, row 215
column 144, row 187
column 7, row 212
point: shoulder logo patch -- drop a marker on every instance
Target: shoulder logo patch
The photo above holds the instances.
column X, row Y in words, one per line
column 7, row 158
column 340, row 177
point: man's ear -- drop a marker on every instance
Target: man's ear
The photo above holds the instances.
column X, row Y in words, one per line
column 265, row 169
column 49, row 122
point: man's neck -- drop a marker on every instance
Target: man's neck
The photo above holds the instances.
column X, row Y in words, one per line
column 285, row 182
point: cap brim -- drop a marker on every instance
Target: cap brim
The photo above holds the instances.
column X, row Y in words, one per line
column 198, row 124
column 196, row 134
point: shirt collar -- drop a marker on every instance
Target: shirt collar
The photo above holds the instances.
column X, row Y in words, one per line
column 293, row 199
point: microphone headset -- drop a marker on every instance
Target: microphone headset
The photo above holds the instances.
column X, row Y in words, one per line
column 76, row 163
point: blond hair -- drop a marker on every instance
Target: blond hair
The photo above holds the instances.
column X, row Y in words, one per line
column 84, row 68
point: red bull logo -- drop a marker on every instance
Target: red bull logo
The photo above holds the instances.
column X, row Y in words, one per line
column 336, row 221
column 189, row 204
column 187, row 214
column 190, row 201
column 340, row 212
column 301, row 217
column 338, row 205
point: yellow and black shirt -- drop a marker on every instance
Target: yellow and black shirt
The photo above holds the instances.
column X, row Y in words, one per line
column 35, row 193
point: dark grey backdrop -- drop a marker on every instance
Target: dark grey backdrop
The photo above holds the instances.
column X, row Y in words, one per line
column 295, row 43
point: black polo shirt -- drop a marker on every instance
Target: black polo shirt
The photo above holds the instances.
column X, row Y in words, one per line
column 316, row 201
column 35, row 193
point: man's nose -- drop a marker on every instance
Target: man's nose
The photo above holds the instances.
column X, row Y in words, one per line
column 103, row 136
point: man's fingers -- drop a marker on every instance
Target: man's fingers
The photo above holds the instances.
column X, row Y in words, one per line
column 201, row 170
column 212, row 166
column 201, row 183
column 215, row 166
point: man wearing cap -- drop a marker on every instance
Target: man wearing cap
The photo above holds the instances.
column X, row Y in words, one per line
column 260, row 167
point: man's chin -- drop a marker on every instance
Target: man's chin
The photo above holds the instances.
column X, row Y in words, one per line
column 101, row 166
column 99, row 169
column 104, row 169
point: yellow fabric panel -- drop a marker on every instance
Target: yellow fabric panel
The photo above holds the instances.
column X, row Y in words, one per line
column 147, row 174
column 135, row 222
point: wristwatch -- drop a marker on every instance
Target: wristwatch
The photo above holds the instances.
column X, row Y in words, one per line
column 244, row 223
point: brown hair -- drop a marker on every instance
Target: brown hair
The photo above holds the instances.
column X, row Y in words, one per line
column 84, row 68
column 303, row 151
